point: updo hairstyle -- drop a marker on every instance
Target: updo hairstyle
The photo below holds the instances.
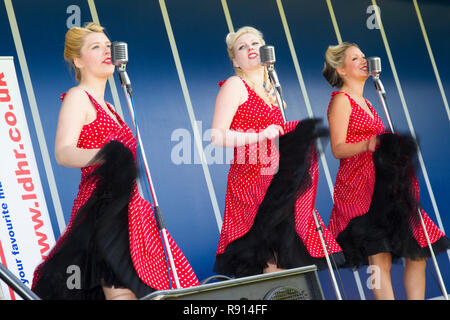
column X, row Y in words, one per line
column 74, row 42
column 334, row 58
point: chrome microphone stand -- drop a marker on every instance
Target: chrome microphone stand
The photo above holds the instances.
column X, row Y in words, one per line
column 382, row 95
column 316, row 220
column 277, row 88
column 269, row 64
column 14, row 283
column 374, row 66
column 126, row 86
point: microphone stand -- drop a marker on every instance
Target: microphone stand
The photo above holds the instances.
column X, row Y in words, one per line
column 273, row 78
column 126, row 86
column 382, row 94
column 13, row 282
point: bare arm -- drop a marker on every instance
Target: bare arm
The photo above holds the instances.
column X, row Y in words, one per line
column 338, row 119
column 72, row 117
column 232, row 94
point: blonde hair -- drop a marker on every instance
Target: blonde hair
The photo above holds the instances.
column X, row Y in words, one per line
column 74, row 42
column 230, row 40
column 334, row 58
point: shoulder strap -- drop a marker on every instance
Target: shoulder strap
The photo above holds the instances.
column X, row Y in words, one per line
column 336, row 92
column 333, row 94
column 246, row 85
column 350, row 99
column 94, row 102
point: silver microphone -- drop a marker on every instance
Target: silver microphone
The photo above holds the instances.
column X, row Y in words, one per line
column 267, row 55
column 374, row 69
column 119, row 58
column 374, row 66
column 119, row 53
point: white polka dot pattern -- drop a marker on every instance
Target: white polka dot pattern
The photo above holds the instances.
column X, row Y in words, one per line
column 434, row 233
column 355, row 179
column 248, row 180
column 146, row 248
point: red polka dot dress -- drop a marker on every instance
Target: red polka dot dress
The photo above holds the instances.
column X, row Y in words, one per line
column 251, row 172
column 376, row 196
column 143, row 243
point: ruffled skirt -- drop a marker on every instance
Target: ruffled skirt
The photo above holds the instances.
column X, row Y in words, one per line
column 96, row 251
column 387, row 226
column 273, row 237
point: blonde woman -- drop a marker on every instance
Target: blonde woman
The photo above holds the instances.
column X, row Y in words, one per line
column 376, row 193
column 111, row 248
column 268, row 223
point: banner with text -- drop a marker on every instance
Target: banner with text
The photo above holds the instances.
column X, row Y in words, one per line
column 26, row 234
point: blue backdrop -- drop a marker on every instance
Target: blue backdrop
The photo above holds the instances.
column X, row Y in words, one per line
column 177, row 56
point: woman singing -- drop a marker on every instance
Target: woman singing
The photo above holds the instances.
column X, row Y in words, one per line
column 268, row 220
column 376, row 194
column 111, row 241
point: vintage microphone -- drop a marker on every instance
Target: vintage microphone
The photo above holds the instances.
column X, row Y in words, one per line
column 267, row 56
column 374, row 69
column 119, row 58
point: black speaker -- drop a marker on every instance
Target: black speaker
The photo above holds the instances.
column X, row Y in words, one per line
column 293, row 284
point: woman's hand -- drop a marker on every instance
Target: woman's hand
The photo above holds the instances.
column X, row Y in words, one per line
column 372, row 143
column 271, row 132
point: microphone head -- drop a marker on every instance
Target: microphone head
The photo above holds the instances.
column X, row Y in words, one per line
column 374, row 66
column 267, row 55
column 119, row 53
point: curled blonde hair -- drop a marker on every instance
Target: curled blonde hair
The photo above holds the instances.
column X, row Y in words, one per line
column 231, row 39
column 74, row 42
column 334, row 58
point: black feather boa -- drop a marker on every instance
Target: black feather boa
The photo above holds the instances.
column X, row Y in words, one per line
column 386, row 227
column 272, row 237
column 97, row 242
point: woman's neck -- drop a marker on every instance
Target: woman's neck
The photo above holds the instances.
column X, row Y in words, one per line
column 259, row 82
column 353, row 88
column 95, row 87
column 255, row 76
